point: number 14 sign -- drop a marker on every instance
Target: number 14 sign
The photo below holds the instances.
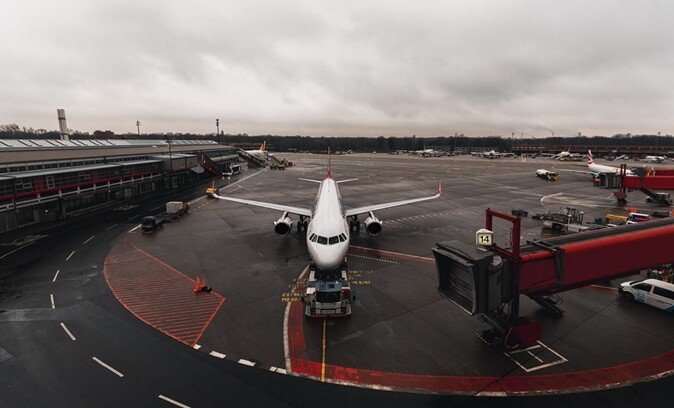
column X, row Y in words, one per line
column 484, row 237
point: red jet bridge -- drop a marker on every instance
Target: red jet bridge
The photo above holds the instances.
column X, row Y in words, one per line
column 489, row 282
column 648, row 182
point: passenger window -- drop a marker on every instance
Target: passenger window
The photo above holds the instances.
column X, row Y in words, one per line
column 334, row 240
column 643, row 286
column 663, row 292
column 322, row 240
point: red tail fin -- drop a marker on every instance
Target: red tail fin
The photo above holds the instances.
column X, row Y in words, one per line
column 329, row 175
column 263, row 148
column 590, row 159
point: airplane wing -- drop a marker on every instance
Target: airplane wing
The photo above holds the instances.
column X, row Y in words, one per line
column 290, row 209
column 347, row 180
column 376, row 207
column 578, row 171
column 311, row 180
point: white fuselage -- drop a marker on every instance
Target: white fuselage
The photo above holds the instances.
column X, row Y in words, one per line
column 600, row 168
column 328, row 230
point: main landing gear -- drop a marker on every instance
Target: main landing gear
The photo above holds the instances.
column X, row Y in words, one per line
column 302, row 224
column 354, row 224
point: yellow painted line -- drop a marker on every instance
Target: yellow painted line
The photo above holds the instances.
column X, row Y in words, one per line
column 325, row 324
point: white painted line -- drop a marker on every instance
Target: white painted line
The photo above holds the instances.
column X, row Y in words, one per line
column 92, row 237
column 71, row 254
column 112, row 226
column 246, row 362
column 53, row 305
column 197, row 347
column 21, row 247
column 68, row 332
column 174, row 402
column 108, row 367
column 277, row 370
column 135, row 228
column 56, row 275
column 135, row 216
column 218, row 355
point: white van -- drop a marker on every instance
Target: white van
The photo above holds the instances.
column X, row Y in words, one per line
column 653, row 292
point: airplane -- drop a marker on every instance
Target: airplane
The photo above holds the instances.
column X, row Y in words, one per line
column 596, row 169
column 330, row 223
column 492, row 154
column 260, row 153
column 423, row 152
column 654, row 159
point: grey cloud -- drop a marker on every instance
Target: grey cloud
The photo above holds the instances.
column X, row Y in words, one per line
column 340, row 68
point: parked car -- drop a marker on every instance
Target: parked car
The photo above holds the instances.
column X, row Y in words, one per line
column 652, row 292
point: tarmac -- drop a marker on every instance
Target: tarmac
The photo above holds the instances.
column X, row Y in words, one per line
column 198, row 350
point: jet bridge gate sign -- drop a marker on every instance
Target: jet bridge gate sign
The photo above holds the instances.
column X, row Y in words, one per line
column 489, row 281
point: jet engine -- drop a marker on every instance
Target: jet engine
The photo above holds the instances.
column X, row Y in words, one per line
column 373, row 225
column 283, row 225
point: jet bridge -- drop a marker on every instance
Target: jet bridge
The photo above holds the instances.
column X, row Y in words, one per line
column 489, row 281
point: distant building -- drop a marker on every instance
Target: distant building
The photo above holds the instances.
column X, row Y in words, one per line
column 47, row 179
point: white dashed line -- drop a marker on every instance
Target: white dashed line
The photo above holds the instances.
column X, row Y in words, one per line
column 218, row 355
column 112, row 226
column 277, row 370
column 71, row 254
column 53, row 305
column 135, row 228
column 92, row 237
column 174, row 402
column 196, row 347
column 246, row 362
column 56, row 275
column 68, row 332
column 119, row 374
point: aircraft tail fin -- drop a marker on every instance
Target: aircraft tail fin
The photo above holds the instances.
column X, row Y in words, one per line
column 263, row 147
column 590, row 159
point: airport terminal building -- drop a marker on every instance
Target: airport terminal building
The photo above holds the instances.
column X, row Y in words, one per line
column 44, row 180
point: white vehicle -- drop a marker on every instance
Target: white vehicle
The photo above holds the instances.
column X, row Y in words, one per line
column 546, row 174
column 654, row 159
column 328, row 226
column 653, row 292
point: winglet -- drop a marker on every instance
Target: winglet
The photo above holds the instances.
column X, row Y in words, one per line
column 329, row 175
column 439, row 192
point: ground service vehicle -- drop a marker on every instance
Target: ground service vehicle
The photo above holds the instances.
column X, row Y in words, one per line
column 151, row 223
column 546, row 174
column 328, row 294
column 652, row 292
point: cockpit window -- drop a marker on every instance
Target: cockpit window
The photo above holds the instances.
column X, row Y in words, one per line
column 334, row 240
column 322, row 240
column 342, row 237
column 313, row 238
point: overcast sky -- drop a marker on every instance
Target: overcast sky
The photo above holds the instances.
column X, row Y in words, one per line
column 350, row 68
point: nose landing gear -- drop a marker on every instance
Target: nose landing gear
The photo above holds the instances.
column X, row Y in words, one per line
column 302, row 224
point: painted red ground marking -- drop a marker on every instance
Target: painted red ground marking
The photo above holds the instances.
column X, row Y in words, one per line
column 606, row 377
column 390, row 254
column 158, row 294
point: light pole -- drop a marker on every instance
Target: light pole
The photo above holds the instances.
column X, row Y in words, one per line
column 138, row 126
column 217, row 127
column 657, row 143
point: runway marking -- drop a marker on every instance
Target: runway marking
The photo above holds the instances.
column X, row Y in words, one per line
column 246, row 362
column 111, row 227
column 56, row 275
column 135, row 216
column 174, row 402
column 277, row 370
column 69, row 256
column 559, row 359
column 196, row 346
column 325, row 325
column 68, row 332
column 92, row 237
column 135, row 228
column 374, row 259
column 21, row 247
column 218, row 355
column 51, row 297
column 119, row 374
